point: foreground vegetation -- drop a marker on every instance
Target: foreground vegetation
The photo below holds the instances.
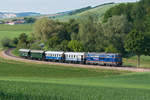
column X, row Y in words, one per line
column 24, row 81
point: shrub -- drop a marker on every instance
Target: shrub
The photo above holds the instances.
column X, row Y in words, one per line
column 6, row 42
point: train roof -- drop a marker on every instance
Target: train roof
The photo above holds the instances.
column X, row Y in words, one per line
column 54, row 52
column 94, row 53
column 37, row 51
column 75, row 53
column 24, row 50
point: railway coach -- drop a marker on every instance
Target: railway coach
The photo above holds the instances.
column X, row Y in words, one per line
column 75, row 57
column 55, row 56
column 25, row 53
column 37, row 54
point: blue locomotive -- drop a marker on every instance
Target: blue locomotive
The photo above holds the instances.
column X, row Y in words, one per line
column 109, row 59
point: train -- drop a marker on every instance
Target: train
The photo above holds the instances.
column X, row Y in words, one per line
column 105, row 59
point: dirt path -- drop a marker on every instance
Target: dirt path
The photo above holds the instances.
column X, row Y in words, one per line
column 8, row 55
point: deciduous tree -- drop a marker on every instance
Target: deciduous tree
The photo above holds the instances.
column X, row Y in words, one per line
column 137, row 43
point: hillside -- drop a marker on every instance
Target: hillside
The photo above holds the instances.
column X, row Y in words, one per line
column 98, row 10
column 14, row 15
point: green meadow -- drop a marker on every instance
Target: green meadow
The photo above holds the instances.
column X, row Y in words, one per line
column 11, row 31
column 25, row 81
column 132, row 61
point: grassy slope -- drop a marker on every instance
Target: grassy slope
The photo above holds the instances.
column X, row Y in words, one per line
column 11, row 31
column 98, row 11
column 22, row 80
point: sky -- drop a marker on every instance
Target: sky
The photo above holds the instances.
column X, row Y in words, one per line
column 50, row 6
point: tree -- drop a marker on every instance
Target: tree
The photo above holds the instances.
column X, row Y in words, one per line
column 111, row 49
column 87, row 33
column 23, row 41
column 75, row 46
column 115, row 29
column 45, row 28
column 137, row 43
column 15, row 41
column 30, row 19
column 6, row 42
column 52, row 43
column 64, row 45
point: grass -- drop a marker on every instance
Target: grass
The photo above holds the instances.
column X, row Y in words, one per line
column 132, row 61
column 99, row 11
column 11, row 31
column 25, row 81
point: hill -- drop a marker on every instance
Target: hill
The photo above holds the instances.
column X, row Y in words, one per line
column 14, row 15
column 97, row 10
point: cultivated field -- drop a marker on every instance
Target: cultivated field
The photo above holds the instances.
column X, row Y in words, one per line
column 22, row 81
column 11, row 31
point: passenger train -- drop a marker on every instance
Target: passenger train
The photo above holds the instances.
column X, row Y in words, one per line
column 106, row 59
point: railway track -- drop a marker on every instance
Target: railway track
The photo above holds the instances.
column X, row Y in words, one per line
column 8, row 55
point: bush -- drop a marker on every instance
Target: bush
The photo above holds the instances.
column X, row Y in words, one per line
column 6, row 42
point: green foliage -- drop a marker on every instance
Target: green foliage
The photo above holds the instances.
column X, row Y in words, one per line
column 52, row 43
column 15, row 41
column 29, row 19
column 111, row 49
column 23, row 41
column 6, row 42
column 75, row 46
column 135, row 42
column 44, row 29
column 64, row 45
column 87, row 33
column 36, row 46
column 115, row 29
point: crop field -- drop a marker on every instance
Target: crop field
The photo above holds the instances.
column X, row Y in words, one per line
column 11, row 31
column 25, row 81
